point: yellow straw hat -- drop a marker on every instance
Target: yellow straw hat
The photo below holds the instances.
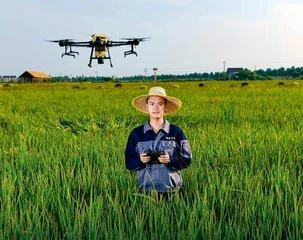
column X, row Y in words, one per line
column 172, row 104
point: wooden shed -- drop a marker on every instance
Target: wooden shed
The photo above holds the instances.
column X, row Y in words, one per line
column 34, row 77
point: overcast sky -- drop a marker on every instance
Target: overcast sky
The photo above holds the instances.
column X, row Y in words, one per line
column 186, row 35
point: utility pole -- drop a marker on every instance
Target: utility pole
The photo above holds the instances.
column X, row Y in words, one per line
column 145, row 73
column 224, row 62
column 255, row 72
column 155, row 74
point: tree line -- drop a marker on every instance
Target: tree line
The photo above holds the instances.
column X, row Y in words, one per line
column 245, row 74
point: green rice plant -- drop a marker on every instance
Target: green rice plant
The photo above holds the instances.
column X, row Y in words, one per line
column 63, row 174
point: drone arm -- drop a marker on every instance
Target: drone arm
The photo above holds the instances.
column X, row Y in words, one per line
column 117, row 44
column 80, row 44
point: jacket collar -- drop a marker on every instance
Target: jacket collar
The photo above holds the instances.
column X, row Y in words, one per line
column 165, row 127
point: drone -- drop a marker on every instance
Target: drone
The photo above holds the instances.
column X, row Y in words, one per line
column 100, row 45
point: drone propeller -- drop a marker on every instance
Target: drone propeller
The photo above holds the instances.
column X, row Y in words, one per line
column 136, row 39
column 66, row 40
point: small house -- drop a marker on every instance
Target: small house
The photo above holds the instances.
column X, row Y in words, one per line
column 233, row 72
column 8, row 78
column 34, row 77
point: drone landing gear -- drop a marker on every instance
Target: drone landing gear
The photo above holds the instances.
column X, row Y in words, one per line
column 110, row 60
column 69, row 52
column 130, row 52
column 91, row 57
column 99, row 59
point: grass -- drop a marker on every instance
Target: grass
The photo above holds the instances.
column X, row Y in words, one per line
column 63, row 173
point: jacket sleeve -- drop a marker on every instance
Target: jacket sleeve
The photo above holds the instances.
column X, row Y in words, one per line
column 132, row 158
column 183, row 156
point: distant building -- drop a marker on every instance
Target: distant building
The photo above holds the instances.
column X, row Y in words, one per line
column 34, row 77
column 233, row 72
column 8, row 78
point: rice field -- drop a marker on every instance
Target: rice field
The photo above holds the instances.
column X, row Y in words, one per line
column 63, row 176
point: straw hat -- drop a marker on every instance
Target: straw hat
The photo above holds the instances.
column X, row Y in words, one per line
column 172, row 104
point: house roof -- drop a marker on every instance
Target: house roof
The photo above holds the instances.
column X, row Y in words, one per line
column 234, row 70
column 35, row 74
column 38, row 74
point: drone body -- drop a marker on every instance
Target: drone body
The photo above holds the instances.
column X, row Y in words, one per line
column 100, row 45
column 100, row 51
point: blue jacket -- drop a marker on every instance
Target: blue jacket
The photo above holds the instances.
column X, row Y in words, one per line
column 161, row 177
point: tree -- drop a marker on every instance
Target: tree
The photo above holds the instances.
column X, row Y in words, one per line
column 246, row 74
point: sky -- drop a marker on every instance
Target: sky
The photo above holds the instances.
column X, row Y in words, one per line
column 186, row 36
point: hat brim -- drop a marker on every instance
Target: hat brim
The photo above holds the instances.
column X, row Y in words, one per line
column 172, row 104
